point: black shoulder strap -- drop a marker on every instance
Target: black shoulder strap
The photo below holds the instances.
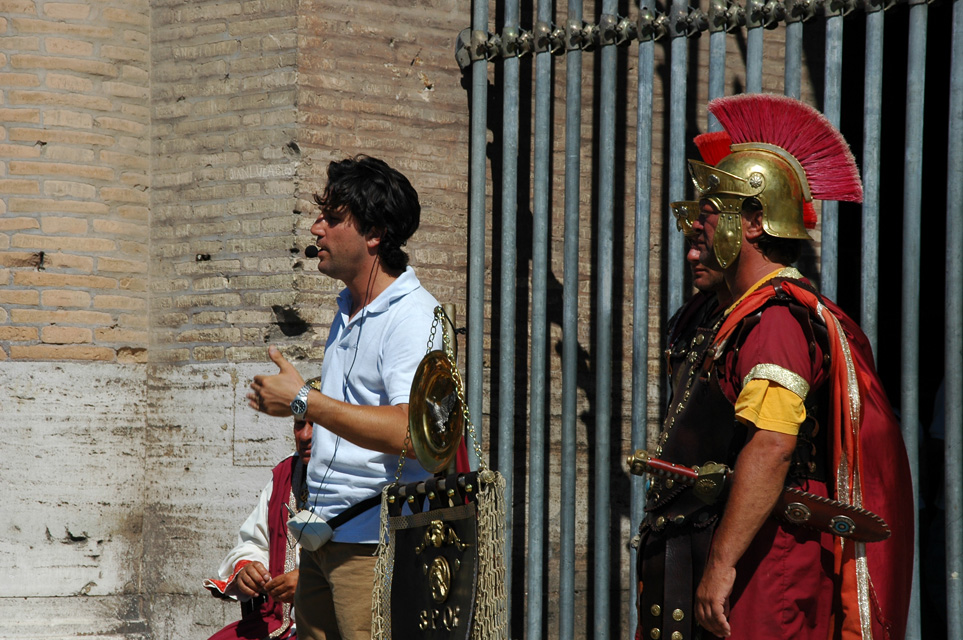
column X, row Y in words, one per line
column 354, row 510
column 803, row 316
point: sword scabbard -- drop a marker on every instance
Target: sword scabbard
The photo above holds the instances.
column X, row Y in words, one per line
column 793, row 505
column 824, row 514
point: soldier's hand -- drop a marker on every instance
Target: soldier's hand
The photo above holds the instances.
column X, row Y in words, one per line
column 252, row 577
column 712, row 600
column 282, row 588
column 273, row 394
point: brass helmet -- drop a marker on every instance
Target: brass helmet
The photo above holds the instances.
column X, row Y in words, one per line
column 784, row 153
column 761, row 171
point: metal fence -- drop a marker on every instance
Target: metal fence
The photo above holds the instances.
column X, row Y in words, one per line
column 897, row 245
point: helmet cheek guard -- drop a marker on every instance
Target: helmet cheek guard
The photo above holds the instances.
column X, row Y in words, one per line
column 727, row 240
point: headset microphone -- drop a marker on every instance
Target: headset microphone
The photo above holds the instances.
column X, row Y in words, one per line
column 311, row 251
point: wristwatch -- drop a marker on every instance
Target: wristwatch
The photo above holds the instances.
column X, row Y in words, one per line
column 299, row 406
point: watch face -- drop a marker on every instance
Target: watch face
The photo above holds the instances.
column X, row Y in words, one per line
column 298, row 407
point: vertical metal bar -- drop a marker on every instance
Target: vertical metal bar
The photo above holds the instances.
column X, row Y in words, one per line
column 603, row 341
column 753, row 49
column 717, row 73
column 912, row 220
column 792, row 78
column 640, row 293
column 507, row 291
column 476, row 231
column 679, row 49
column 954, row 340
column 829, row 245
column 539, row 356
column 570, row 306
column 872, row 109
column 754, row 53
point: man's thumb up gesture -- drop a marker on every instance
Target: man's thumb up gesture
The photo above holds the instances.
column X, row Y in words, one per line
column 273, row 394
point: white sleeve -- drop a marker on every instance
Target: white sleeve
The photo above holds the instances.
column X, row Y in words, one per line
column 252, row 545
column 402, row 350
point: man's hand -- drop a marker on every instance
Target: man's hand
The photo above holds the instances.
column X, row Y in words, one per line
column 282, row 588
column 381, row 428
column 273, row 394
column 252, row 577
column 712, row 600
column 757, row 480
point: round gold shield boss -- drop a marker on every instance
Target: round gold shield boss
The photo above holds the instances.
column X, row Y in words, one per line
column 435, row 415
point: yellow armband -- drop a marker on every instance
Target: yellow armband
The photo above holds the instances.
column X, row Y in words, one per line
column 770, row 406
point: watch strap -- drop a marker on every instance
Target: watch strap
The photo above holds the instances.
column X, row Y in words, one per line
column 302, row 399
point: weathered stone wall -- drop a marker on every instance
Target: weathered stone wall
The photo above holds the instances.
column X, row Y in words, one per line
column 73, row 481
column 207, row 457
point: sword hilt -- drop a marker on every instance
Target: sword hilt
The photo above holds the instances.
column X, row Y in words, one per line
column 707, row 481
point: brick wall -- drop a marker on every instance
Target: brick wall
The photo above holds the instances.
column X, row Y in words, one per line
column 74, row 174
column 251, row 101
column 226, row 159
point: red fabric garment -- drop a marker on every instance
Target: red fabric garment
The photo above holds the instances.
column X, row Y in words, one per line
column 461, row 458
column 871, row 470
column 784, row 584
column 269, row 617
column 777, row 339
column 278, row 514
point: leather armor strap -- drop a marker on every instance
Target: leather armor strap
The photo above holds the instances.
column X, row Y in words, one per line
column 809, row 460
column 679, row 587
column 670, row 568
column 651, row 572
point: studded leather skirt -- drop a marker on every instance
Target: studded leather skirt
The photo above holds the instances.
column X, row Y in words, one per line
column 676, row 534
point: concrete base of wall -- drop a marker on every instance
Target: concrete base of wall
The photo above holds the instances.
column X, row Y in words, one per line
column 123, row 486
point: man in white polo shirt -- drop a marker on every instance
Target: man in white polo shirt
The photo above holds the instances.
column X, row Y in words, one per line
column 379, row 335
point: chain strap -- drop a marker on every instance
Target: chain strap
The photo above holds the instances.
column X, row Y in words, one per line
column 401, row 458
column 440, row 316
column 459, row 386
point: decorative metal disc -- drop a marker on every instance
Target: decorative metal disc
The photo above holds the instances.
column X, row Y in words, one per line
column 842, row 525
column 435, row 415
column 797, row 512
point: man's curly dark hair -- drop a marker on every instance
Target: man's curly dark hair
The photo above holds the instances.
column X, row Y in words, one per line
column 377, row 197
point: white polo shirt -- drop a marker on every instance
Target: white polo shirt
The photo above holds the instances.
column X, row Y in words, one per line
column 368, row 360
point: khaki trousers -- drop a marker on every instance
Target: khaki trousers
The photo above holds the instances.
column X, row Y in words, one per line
column 333, row 598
